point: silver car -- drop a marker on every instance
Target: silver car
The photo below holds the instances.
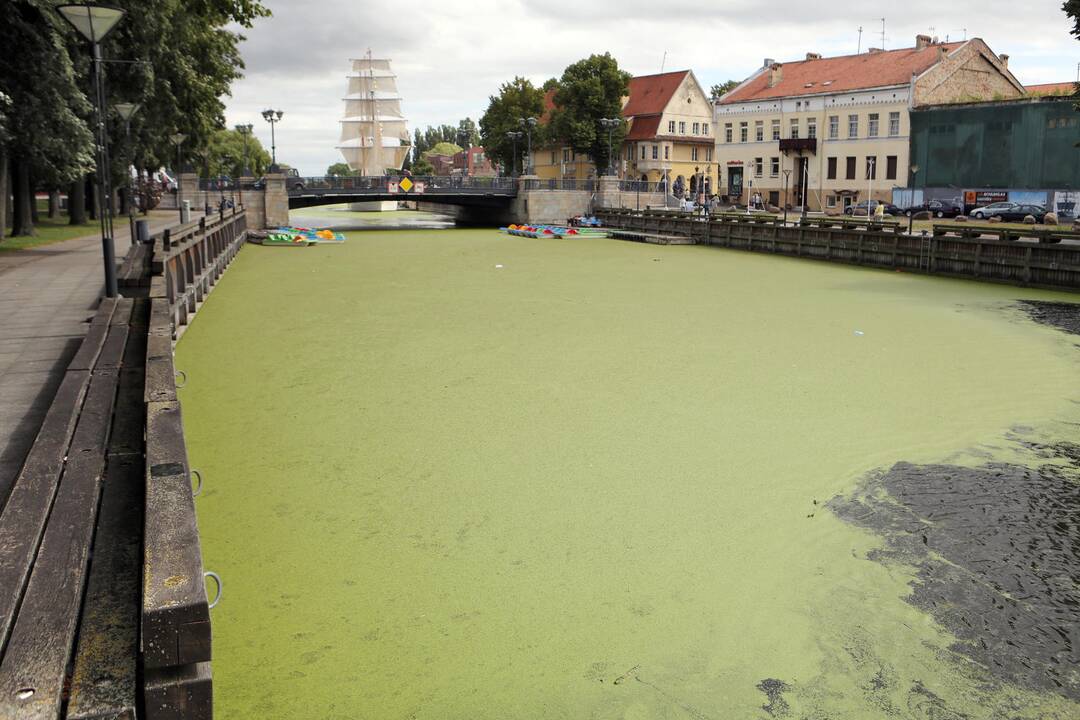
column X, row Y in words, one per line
column 992, row 209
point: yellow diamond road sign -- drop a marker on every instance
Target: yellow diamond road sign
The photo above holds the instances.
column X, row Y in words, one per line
column 405, row 184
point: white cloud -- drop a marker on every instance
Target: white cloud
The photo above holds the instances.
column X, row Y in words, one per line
column 450, row 57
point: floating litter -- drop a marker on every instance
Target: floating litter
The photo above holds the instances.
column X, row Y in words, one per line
column 498, row 267
column 859, row 333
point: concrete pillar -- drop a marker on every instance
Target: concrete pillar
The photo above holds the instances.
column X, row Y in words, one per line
column 607, row 191
column 189, row 190
column 275, row 201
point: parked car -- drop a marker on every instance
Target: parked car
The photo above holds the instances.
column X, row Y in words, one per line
column 293, row 181
column 936, row 208
column 860, row 209
column 988, row 211
column 1010, row 212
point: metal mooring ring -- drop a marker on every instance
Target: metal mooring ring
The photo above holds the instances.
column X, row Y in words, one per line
column 182, row 374
column 198, row 488
column 217, row 579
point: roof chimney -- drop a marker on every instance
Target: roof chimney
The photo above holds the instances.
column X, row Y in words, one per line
column 813, row 56
column 874, row 50
column 1004, row 60
column 776, row 71
column 922, row 41
column 768, row 63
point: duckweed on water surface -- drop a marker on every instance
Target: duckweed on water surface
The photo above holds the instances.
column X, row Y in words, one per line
column 613, row 480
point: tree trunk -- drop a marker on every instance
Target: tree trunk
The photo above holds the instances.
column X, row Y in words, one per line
column 77, row 202
column 54, row 204
column 92, row 192
column 33, row 199
column 5, row 190
column 24, row 198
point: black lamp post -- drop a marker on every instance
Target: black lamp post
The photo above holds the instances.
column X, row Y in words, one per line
column 226, row 164
column 463, row 140
column 94, row 22
column 514, row 136
column 787, row 175
column 272, row 117
column 125, row 111
column 178, row 139
column 245, row 170
column 529, row 124
column 911, row 205
column 610, row 124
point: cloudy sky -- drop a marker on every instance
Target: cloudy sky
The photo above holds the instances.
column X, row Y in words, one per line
column 451, row 56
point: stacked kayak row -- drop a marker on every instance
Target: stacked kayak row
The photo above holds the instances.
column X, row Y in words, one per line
column 553, row 231
column 295, row 237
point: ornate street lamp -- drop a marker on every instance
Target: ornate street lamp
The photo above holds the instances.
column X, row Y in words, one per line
column 514, row 136
column 245, row 171
column 529, row 124
column 911, row 205
column 787, row 176
column 94, row 22
column 272, row 117
column 610, row 124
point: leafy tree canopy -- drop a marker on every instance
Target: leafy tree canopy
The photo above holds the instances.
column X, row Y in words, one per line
column 225, row 154
column 340, row 169
column 718, row 90
column 517, row 99
column 443, row 148
column 589, row 90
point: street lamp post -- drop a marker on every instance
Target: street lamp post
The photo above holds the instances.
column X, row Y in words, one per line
column 125, row 111
column 529, row 123
column 178, row 139
column 805, row 185
column 272, row 117
column 514, row 136
column 463, row 140
column 787, row 176
column 610, row 124
column 911, row 202
column 226, row 163
column 245, row 170
column 869, row 184
column 94, row 22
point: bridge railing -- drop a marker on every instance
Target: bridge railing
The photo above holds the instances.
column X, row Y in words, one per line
column 642, row 186
column 380, row 184
column 588, row 184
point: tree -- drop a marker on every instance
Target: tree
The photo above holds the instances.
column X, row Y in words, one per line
column 1072, row 9
column 589, row 90
column 422, row 166
column 225, row 154
column 717, row 91
column 340, row 169
column 467, row 131
column 517, row 99
column 443, row 148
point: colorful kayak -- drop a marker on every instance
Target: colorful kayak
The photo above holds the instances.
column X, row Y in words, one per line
column 553, row 231
column 296, row 237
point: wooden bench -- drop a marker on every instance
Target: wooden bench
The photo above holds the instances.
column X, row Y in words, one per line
column 1005, row 234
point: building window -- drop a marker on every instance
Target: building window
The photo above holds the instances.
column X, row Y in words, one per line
column 890, row 167
column 727, row 132
column 655, row 152
column 850, row 168
column 758, row 167
column 894, row 124
column 872, row 128
column 704, row 128
column 759, row 130
column 834, row 127
column 794, row 127
column 743, row 131
column 871, row 167
column 566, row 155
column 697, row 126
column 830, row 200
column 671, row 126
column 774, row 166
column 853, row 126
column 775, row 129
column 708, row 154
column 811, row 127
column 642, row 152
column 693, row 154
column 832, row 168
column 552, row 157
column 682, row 128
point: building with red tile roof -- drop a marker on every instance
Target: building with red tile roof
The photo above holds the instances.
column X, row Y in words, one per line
column 832, row 131
column 1059, row 88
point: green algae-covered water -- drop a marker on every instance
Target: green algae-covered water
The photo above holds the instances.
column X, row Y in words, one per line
column 457, row 474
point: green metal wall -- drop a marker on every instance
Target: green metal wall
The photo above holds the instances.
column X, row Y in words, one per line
column 1025, row 145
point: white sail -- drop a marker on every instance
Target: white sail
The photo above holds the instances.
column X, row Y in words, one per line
column 374, row 136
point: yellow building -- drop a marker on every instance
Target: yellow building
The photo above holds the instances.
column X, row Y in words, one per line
column 671, row 135
column 838, row 127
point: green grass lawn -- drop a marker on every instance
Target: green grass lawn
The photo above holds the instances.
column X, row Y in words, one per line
column 49, row 232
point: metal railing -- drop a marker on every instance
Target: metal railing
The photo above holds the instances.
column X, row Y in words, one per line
column 587, row 184
column 380, row 184
column 642, row 186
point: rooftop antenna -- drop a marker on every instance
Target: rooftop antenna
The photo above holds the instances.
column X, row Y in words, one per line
column 882, row 33
column 859, row 47
column 663, row 61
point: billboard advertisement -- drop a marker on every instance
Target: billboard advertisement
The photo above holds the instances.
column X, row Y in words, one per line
column 1065, row 203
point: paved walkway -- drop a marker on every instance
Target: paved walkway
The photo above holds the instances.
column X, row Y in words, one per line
column 47, row 296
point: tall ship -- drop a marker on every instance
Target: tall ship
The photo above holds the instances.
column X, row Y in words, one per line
column 374, row 137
